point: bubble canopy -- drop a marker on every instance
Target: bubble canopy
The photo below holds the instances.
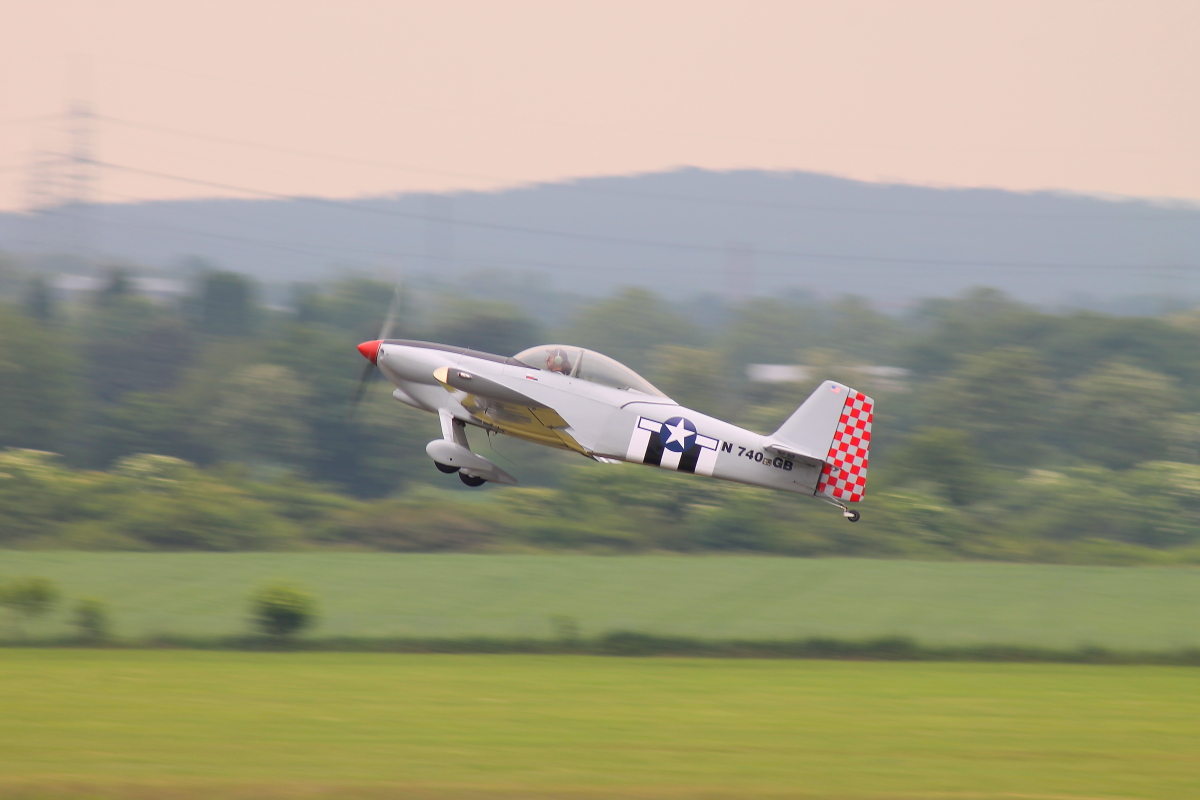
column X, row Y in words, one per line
column 587, row 365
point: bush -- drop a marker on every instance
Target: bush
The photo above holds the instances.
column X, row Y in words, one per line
column 29, row 597
column 566, row 628
column 91, row 617
column 281, row 610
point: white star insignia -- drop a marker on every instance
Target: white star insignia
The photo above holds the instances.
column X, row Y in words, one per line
column 679, row 433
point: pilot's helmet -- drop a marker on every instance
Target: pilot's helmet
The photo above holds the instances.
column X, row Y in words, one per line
column 557, row 361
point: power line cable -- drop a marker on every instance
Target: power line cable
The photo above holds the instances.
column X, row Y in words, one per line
column 473, row 115
column 366, row 162
column 34, row 118
column 339, row 249
column 1193, row 217
column 692, row 133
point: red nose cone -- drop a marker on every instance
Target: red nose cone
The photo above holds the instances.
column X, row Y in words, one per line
column 370, row 350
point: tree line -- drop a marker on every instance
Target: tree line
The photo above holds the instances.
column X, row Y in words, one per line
column 216, row 422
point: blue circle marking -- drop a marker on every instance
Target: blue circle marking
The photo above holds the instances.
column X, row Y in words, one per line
column 677, row 434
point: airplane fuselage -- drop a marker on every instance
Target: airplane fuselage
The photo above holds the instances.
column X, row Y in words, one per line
column 595, row 420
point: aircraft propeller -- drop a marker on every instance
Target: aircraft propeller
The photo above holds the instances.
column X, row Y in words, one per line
column 370, row 350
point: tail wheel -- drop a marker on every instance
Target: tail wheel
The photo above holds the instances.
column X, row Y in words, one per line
column 471, row 480
column 853, row 516
column 446, row 468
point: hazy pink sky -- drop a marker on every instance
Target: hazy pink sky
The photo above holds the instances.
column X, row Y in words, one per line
column 1087, row 95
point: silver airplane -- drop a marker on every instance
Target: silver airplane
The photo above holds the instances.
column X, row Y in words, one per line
column 576, row 399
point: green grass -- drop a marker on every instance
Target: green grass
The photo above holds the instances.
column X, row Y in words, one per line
column 185, row 724
column 377, row 594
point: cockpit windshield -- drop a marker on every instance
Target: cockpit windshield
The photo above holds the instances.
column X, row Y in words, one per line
column 586, row 365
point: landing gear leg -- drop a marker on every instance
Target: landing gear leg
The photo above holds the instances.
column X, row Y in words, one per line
column 853, row 516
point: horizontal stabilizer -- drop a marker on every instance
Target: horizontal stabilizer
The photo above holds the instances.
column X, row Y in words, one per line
column 788, row 451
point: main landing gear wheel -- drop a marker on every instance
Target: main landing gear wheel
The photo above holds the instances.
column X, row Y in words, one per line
column 446, row 468
column 471, row 480
column 853, row 516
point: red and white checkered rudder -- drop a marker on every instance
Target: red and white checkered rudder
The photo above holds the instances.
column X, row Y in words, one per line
column 844, row 477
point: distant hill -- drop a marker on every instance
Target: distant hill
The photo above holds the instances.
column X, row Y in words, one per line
column 691, row 231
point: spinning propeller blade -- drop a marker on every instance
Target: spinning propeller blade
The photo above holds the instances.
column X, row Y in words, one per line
column 370, row 350
column 389, row 322
column 367, row 374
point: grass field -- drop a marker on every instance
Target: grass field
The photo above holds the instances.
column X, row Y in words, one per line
column 373, row 594
column 379, row 594
column 178, row 724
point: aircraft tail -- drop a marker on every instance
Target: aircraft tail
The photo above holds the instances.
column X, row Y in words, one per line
column 832, row 426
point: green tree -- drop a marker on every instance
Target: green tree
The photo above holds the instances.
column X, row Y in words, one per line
column 1091, row 503
column 857, row 329
column 282, row 610
column 983, row 319
column 389, row 441
column 1119, row 414
column 261, row 415
column 29, row 597
column 693, row 376
column 946, row 457
column 133, row 345
column 149, row 422
column 37, row 383
column 169, row 505
column 1001, row 397
column 1084, row 341
column 118, row 287
column 627, row 326
column 487, row 325
column 371, row 452
column 36, row 493
column 39, row 300
column 744, row 521
column 770, row 331
column 226, row 304
column 1174, row 490
column 11, row 279
column 357, row 306
column 92, row 619
column 565, row 627
column 1183, row 438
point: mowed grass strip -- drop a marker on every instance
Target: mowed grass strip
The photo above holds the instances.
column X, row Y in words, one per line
column 712, row 597
column 184, row 724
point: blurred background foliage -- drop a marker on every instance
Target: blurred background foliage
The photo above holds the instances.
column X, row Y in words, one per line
column 220, row 423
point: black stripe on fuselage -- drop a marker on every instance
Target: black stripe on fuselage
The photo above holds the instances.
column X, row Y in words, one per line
column 654, row 450
column 687, row 461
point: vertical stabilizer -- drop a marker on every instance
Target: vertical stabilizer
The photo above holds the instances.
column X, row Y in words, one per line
column 845, row 474
column 834, row 424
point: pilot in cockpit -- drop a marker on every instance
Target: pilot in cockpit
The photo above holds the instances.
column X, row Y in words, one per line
column 557, row 361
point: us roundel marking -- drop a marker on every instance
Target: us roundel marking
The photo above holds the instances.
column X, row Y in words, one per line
column 674, row 444
column 677, row 434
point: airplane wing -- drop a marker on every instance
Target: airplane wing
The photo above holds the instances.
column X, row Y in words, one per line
column 511, row 411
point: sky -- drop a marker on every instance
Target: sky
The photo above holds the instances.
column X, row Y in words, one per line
column 359, row 97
